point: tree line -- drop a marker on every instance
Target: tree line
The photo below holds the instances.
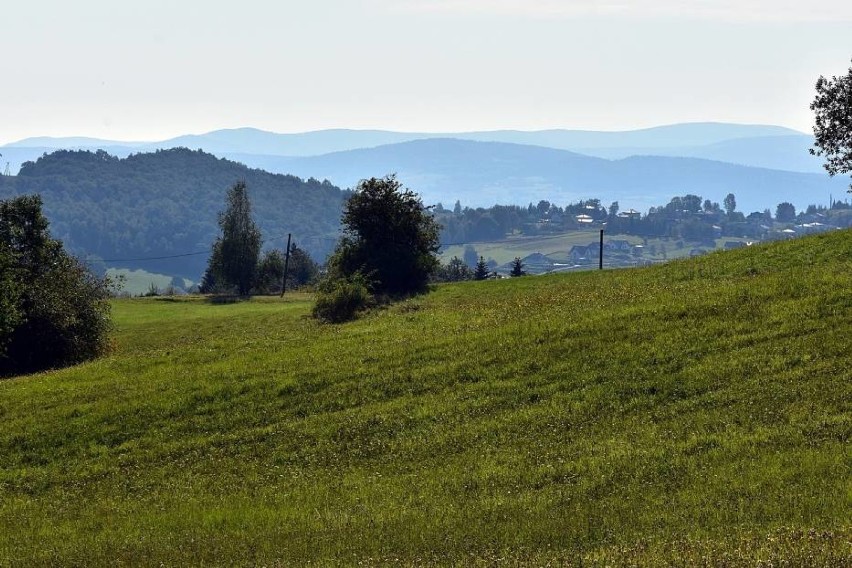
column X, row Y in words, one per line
column 688, row 217
column 166, row 203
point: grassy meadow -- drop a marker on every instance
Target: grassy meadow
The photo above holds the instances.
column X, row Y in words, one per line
column 693, row 413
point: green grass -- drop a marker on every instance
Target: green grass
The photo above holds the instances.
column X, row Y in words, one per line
column 694, row 413
column 137, row 282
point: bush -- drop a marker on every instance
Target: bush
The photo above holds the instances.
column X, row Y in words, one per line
column 389, row 234
column 270, row 273
column 340, row 300
column 53, row 310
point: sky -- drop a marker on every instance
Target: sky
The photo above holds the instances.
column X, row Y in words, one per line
column 155, row 69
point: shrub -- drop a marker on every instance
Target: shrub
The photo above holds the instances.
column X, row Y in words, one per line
column 339, row 299
column 153, row 291
column 270, row 273
column 388, row 233
column 53, row 310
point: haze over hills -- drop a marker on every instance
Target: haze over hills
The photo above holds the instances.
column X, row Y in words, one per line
column 642, row 168
column 786, row 152
column 672, row 140
column 485, row 173
column 256, row 141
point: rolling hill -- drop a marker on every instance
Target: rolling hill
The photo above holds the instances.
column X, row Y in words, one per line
column 485, row 173
column 686, row 140
column 166, row 203
column 694, row 413
column 788, row 152
column 256, row 141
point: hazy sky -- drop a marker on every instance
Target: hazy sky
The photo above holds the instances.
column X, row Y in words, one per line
column 152, row 69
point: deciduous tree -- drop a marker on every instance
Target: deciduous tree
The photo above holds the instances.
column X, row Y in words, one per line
column 236, row 251
column 302, row 269
column 53, row 310
column 832, row 107
column 730, row 204
column 389, row 236
column 785, row 212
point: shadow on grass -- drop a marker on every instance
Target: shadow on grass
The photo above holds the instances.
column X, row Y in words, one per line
column 226, row 299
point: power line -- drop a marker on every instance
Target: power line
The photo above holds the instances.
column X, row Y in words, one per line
column 150, row 257
column 165, row 257
column 518, row 240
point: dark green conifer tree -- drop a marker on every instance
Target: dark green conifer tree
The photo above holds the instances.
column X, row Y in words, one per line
column 481, row 271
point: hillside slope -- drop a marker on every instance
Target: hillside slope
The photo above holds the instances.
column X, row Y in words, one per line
column 694, row 413
column 167, row 203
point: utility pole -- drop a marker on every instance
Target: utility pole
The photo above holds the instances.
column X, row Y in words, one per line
column 600, row 253
column 286, row 266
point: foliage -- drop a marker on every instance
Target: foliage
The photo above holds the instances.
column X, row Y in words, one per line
column 303, row 270
column 785, row 212
column 685, row 217
column 481, row 272
column 340, row 299
column 270, row 273
column 10, row 294
column 166, row 203
column 152, row 291
column 389, row 236
column 233, row 262
column 832, row 107
column 517, row 267
column 470, row 256
column 730, row 203
column 208, row 282
column 53, row 310
column 670, row 416
column 455, row 270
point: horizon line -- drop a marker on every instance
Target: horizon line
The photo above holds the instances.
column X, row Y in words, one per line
column 387, row 130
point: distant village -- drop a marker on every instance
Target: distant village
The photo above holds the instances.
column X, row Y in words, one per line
column 686, row 227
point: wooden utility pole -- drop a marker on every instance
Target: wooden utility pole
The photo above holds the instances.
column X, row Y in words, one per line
column 286, row 266
column 600, row 253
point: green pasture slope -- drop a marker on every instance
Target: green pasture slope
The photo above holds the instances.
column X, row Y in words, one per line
column 694, row 413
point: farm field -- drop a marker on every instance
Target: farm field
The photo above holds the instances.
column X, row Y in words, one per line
column 557, row 246
column 693, row 413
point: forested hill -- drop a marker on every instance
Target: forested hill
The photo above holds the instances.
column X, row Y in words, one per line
column 166, row 203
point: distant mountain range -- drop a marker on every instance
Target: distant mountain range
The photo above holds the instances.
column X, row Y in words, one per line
column 762, row 165
column 484, row 173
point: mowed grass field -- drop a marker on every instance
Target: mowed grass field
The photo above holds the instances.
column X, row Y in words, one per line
column 693, row 413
